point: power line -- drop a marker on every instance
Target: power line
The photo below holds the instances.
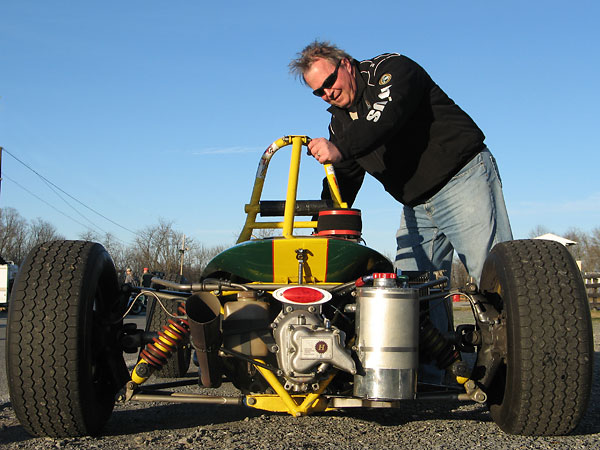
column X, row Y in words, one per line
column 44, row 201
column 73, row 208
column 59, row 211
column 69, row 195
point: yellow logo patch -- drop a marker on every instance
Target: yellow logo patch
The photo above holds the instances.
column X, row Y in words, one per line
column 385, row 79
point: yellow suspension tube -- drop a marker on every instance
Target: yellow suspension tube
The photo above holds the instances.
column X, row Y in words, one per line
column 313, row 397
column 280, row 390
column 290, row 403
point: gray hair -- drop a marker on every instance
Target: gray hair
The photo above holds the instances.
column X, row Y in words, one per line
column 313, row 51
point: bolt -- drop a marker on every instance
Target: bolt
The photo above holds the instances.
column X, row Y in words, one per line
column 143, row 370
column 251, row 401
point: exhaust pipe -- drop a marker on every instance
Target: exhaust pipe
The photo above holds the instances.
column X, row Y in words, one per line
column 204, row 318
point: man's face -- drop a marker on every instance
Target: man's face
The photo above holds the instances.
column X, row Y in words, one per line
column 342, row 92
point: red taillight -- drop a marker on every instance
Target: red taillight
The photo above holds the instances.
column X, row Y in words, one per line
column 302, row 295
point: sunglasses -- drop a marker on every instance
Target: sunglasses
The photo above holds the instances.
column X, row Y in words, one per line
column 329, row 81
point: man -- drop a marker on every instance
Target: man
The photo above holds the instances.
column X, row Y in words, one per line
column 129, row 278
column 146, row 278
column 389, row 118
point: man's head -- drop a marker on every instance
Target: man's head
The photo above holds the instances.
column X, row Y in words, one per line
column 329, row 71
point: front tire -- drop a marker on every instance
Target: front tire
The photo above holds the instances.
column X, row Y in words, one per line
column 544, row 384
column 64, row 366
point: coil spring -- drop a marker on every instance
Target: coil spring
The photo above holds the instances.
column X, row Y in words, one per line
column 436, row 346
column 173, row 333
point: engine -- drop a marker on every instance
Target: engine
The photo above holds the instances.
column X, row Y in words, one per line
column 303, row 347
column 308, row 347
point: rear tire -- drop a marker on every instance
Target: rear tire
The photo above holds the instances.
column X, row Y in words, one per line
column 544, row 385
column 64, row 366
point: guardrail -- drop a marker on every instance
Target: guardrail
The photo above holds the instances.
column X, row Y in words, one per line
column 592, row 285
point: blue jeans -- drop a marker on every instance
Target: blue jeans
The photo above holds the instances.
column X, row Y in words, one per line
column 467, row 215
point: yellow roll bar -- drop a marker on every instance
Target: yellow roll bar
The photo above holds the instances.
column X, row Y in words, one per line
column 288, row 224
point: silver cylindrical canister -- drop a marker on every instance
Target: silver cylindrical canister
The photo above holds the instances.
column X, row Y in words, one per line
column 387, row 328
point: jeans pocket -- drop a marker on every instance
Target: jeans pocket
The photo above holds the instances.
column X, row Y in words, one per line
column 476, row 162
column 495, row 168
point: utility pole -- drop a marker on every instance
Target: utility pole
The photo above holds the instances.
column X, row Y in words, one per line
column 1, row 169
column 182, row 251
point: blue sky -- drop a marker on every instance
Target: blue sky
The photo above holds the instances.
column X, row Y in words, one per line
column 150, row 109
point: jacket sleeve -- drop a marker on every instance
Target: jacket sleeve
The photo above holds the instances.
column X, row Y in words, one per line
column 398, row 87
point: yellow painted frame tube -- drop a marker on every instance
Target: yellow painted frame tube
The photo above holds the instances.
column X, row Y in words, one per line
column 292, row 187
column 253, row 208
column 334, row 189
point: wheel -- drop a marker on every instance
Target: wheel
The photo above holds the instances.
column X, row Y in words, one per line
column 544, row 383
column 64, row 366
column 178, row 364
column 137, row 307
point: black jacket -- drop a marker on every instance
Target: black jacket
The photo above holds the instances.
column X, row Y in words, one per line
column 408, row 134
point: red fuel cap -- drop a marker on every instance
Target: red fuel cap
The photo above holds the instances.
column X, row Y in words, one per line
column 384, row 275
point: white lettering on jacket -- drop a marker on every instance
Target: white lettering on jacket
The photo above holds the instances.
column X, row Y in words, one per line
column 375, row 113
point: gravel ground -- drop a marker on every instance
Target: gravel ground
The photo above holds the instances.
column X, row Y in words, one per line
column 419, row 425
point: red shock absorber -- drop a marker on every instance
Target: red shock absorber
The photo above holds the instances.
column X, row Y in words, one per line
column 157, row 353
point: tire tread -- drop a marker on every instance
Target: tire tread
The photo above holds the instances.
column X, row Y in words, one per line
column 551, row 339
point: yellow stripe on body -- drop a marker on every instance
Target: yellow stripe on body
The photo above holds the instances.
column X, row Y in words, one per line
column 285, row 261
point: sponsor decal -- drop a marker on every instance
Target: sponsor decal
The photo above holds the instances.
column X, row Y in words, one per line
column 385, row 79
column 375, row 113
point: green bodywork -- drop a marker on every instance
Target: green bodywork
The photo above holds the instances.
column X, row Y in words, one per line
column 253, row 261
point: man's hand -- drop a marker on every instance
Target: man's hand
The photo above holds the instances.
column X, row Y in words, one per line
column 324, row 151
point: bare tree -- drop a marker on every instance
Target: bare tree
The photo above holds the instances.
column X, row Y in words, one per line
column 158, row 248
column 90, row 236
column 198, row 258
column 593, row 261
column 115, row 249
column 539, row 230
column 41, row 231
column 13, row 235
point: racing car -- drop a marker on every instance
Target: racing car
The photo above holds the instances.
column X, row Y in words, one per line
column 306, row 319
